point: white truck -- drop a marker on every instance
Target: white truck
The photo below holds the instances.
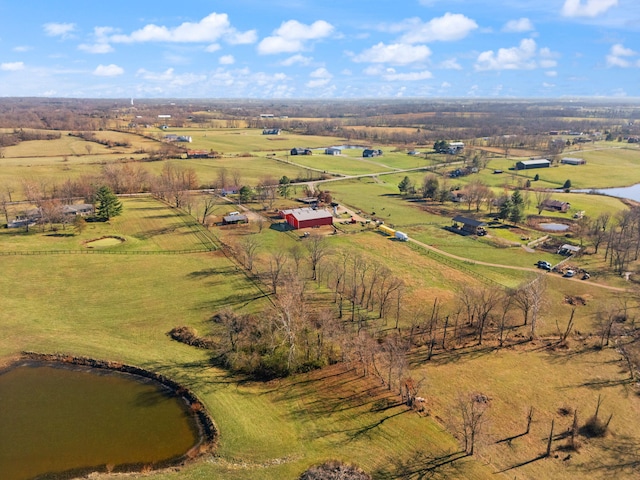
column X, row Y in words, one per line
column 403, row 237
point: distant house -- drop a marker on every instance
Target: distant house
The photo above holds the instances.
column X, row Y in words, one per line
column 332, row 151
column 455, row 147
column 184, row 138
column 413, row 152
column 171, row 138
column 555, row 205
column 199, row 154
column 307, row 217
column 470, row 226
column 82, row 209
column 229, row 190
column 271, row 131
column 301, row 151
column 573, row 161
column 369, row 152
column 528, row 164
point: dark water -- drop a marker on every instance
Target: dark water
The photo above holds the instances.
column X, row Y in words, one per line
column 58, row 419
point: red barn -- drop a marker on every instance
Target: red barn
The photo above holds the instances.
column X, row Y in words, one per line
column 307, row 217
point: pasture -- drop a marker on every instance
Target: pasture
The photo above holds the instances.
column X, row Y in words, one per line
column 120, row 307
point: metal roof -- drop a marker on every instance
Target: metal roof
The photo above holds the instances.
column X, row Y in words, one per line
column 469, row 221
column 302, row 214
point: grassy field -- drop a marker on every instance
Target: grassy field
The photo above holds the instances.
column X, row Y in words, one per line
column 147, row 226
column 119, row 307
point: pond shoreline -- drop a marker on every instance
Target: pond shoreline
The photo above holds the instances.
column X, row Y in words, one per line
column 207, row 430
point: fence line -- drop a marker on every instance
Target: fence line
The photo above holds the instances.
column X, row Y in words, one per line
column 106, row 252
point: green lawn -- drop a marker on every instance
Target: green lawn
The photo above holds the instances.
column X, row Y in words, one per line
column 147, row 225
column 120, row 307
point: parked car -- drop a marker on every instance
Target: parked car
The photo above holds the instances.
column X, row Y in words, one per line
column 569, row 273
column 544, row 265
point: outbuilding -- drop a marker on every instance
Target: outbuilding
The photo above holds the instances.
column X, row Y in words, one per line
column 568, row 249
column 528, row 164
column 235, row 219
column 307, row 217
column 470, row 226
column 573, row 161
column 332, row 151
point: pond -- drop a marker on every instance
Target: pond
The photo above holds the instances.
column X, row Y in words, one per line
column 554, row 227
column 632, row 192
column 58, row 420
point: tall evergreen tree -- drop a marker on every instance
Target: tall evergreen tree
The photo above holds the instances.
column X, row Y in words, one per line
column 108, row 204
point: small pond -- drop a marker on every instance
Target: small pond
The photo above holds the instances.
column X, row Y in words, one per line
column 554, row 227
column 57, row 419
column 104, row 242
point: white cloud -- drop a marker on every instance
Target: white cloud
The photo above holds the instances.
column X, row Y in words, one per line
column 169, row 78
column 450, row 64
column 242, row 38
column 590, row 8
column 320, row 73
column 292, row 35
column 108, row 70
column 320, row 82
column 448, row 28
column 214, row 47
column 408, row 77
column 22, row 48
column 321, row 77
column 12, row 66
column 210, row 29
column 551, row 73
column 619, row 56
column 227, row 60
column 300, row 59
column 96, row 48
column 59, row 29
column 395, row 54
column 518, row 26
column 523, row 57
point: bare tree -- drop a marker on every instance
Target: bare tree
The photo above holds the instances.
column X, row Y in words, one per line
column 529, row 298
column 542, row 197
column 277, row 263
column 208, row 203
column 317, row 248
column 249, row 246
column 472, row 410
column 222, row 178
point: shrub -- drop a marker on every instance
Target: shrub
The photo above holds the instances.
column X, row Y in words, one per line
column 335, row 470
column 594, row 428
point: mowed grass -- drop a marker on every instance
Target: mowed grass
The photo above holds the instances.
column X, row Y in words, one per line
column 69, row 145
column 240, row 140
column 147, row 225
column 120, row 307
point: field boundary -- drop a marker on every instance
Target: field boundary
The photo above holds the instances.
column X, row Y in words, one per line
column 109, row 252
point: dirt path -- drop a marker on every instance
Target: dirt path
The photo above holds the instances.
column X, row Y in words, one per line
column 510, row 267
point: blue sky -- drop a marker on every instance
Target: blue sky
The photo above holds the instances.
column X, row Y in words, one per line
column 320, row 49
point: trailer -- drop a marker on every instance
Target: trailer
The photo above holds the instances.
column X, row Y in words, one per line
column 403, row 237
column 386, row 230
